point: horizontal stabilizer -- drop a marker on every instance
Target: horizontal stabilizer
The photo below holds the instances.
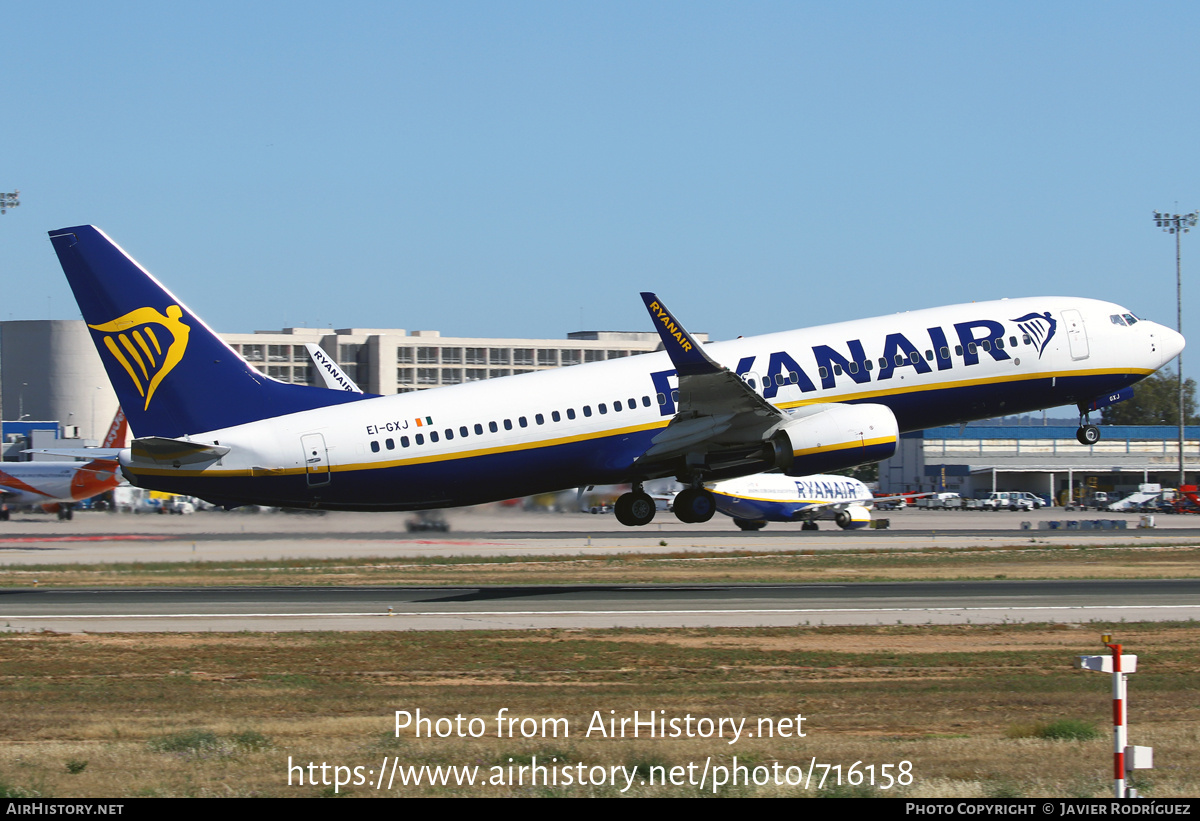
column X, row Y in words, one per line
column 163, row 452
column 79, row 453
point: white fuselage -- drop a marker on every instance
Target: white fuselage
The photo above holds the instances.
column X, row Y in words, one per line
column 588, row 424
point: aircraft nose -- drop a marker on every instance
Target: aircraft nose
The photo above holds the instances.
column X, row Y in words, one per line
column 1169, row 343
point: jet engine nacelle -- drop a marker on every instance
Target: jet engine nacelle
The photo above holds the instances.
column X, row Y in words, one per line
column 833, row 436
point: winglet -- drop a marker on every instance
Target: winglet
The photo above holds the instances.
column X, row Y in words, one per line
column 686, row 354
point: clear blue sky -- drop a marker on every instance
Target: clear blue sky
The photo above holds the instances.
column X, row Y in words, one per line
column 525, row 169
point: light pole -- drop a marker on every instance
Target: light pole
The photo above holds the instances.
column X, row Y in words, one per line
column 1178, row 225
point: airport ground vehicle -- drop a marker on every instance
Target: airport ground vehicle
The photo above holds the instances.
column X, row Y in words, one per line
column 1010, row 500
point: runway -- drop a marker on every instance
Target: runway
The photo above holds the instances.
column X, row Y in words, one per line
column 30, row 541
column 584, row 606
column 110, row 538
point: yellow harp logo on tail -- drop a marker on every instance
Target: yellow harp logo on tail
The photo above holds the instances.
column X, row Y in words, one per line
column 147, row 344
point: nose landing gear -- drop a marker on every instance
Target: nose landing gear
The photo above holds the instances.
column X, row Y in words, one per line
column 1088, row 434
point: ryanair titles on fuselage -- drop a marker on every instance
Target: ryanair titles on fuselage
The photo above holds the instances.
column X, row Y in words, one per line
column 829, row 490
column 852, row 361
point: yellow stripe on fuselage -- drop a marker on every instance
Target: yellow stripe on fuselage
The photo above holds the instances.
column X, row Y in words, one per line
column 824, row 397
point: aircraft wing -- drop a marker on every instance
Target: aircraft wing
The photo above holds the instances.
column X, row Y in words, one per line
column 717, row 410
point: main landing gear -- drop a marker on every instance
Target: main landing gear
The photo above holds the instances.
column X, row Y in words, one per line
column 694, row 505
column 1088, row 434
column 635, row 508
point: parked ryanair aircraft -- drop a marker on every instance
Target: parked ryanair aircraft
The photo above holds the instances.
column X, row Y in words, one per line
column 753, row 501
column 798, row 402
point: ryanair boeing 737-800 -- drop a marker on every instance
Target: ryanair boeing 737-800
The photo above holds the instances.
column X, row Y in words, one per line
column 798, row 402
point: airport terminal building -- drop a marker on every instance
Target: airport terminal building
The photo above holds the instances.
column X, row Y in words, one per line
column 976, row 460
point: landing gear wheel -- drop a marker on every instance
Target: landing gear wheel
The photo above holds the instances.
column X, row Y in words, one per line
column 749, row 524
column 635, row 509
column 809, row 526
column 694, row 505
column 1088, row 434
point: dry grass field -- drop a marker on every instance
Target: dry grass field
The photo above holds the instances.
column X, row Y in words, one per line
column 970, row 708
column 1027, row 558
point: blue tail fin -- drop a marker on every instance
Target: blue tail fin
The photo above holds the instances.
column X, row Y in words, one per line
column 173, row 375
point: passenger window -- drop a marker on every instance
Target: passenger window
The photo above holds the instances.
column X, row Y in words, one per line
column 821, row 372
column 508, row 424
column 617, row 406
column 493, row 427
column 389, row 444
column 523, row 422
column 675, row 396
column 883, row 362
column 632, row 404
column 374, row 447
column 1000, row 343
column 944, row 352
column 556, row 416
column 662, row 399
column 646, row 401
column 587, row 410
column 1012, row 342
column 433, row 436
column 570, row 413
column 986, row 344
column 869, row 365
column 420, row 437
column 837, row 370
column 958, row 350
column 403, row 441
column 929, row 356
column 852, row 367
column 603, row 408
column 541, row 420
column 449, row 434
column 1025, row 338
column 793, row 377
column 971, row 347
column 478, row 429
column 462, row 431
column 899, row 359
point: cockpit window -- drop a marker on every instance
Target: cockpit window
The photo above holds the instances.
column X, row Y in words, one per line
column 1130, row 318
column 1117, row 320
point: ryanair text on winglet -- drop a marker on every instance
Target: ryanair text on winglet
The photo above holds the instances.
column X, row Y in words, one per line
column 673, row 329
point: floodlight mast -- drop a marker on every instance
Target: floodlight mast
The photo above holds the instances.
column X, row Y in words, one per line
column 1178, row 224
